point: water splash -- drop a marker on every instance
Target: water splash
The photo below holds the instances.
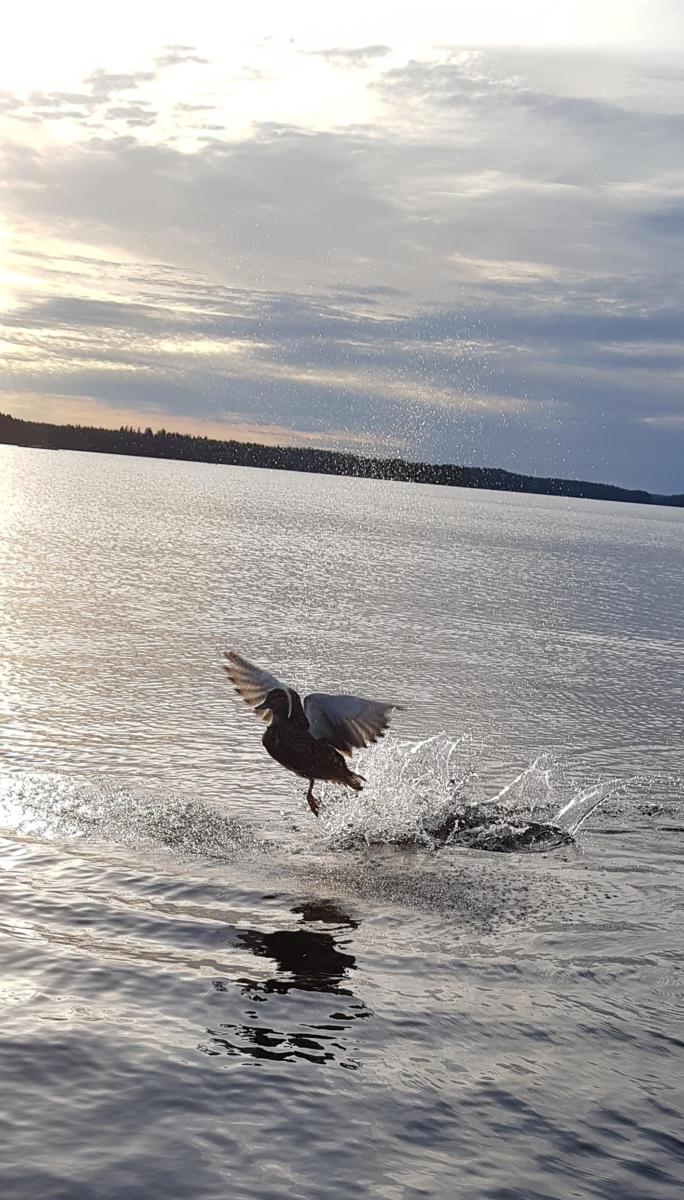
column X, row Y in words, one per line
column 428, row 793
column 580, row 808
column 432, row 792
column 409, row 794
column 533, row 789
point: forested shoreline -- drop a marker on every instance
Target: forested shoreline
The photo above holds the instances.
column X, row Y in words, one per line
column 188, row 447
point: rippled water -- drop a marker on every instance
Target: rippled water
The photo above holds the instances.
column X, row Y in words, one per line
column 205, row 992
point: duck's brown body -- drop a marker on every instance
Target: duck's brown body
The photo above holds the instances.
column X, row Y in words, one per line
column 291, row 744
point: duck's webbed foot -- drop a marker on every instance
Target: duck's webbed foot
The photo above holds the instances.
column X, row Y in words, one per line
column 311, row 799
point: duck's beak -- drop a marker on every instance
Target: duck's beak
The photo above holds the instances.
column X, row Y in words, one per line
column 261, row 707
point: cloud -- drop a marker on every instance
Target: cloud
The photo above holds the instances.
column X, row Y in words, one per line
column 351, row 56
column 178, row 56
column 277, row 203
column 105, row 84
column 674, row 421
column 133, row 115
column 100, row 89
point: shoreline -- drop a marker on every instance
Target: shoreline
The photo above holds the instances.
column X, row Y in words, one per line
column 39, row 435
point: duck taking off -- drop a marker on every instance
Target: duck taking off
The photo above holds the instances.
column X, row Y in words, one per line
column 313, row 737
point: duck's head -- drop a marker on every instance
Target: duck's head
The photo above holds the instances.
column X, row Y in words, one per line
column 278, row 701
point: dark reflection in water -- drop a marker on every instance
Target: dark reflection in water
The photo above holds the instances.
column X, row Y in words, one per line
column 307, row 960
column 329, row 912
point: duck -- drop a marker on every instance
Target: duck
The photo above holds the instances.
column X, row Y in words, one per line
column 312, row 737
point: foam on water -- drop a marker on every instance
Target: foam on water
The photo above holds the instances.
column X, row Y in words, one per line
column 62, row 808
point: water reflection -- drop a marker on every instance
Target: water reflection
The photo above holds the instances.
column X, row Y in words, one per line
column 329, row 912
column 306, row 960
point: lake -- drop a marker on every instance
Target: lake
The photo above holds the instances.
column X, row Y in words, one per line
column 205, row 992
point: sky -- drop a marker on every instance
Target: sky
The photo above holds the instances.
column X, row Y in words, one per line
column 454, row 233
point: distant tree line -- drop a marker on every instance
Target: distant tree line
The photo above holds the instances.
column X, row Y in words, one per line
column 189, row 447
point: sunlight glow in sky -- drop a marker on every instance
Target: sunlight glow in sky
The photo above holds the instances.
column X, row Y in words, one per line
column 46, row 45
column 450, row 231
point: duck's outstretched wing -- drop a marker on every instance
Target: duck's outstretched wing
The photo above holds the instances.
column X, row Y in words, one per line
column 347, row 722
column 251, row 682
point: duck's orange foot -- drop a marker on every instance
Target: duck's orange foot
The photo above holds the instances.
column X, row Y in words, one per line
column 311, row 799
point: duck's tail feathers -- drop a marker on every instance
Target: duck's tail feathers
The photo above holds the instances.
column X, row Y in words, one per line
column 355, row 781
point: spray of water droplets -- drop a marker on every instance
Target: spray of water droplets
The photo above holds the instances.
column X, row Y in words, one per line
column 431, row 792
column 59, row 807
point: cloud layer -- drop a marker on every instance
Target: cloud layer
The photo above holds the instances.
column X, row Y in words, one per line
column 485, row 271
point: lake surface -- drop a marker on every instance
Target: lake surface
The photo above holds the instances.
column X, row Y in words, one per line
column 207, row 993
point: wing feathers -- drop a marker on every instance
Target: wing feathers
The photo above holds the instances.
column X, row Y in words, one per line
column 251, row 682
column 347, row 722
